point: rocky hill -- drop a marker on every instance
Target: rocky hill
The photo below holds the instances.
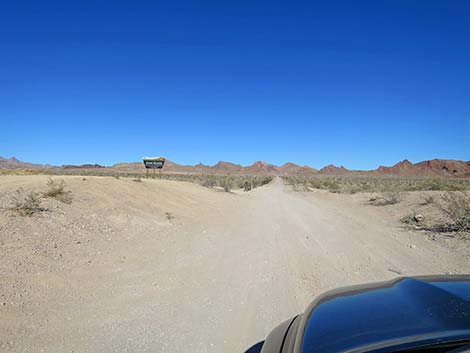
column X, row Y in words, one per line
column 13, row 163
column 431, row 168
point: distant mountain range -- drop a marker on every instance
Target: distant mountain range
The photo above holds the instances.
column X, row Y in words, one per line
column 13, row 163
column 432, row 168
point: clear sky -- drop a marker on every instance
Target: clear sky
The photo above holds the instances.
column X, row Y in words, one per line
column 354, row 83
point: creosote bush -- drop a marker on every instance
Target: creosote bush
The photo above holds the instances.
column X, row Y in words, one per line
column 391, row 197
column 56, row 189
column 209, row 181
column 429, row 200
column 456, row 207
column 227, row 183
column 26, row 204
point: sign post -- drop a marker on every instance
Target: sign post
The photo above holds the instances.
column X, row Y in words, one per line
column 153, row 163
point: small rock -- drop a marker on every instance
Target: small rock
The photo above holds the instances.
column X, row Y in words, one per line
column 419, row 217
column 154, row 283
column 412, row 246
column 78, row 242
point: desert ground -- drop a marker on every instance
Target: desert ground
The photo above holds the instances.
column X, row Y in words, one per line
column 171, row 266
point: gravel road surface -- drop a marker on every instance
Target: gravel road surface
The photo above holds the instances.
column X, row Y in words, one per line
column 160, row 266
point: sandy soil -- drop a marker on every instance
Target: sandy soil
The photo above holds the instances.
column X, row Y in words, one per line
column 162, row 266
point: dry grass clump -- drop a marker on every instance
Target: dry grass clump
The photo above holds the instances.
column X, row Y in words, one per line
column 56, row 189
column 26, row 204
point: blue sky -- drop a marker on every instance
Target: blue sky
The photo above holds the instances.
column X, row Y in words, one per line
column 353, row 83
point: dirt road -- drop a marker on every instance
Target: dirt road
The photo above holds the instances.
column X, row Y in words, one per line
column 165, row 266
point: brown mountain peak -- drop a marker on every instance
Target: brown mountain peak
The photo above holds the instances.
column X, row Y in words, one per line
column 332, row 169
column 289, row 164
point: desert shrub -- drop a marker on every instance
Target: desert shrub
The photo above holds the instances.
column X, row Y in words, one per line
column 428, row 200
column 245, row 182
column 433, row 184
column 332, row 185
column 26, row 204
column 137, row 180
column 247, row 186
column 353, row 184
column 408, row 219
column 387, row 198
column 56, row 189
column 209, row 181
column 260, row 181
column 391, row 197
column 226, row 183
column 456, row 207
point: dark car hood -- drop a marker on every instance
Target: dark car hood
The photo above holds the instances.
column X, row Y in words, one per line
column 425, row 309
